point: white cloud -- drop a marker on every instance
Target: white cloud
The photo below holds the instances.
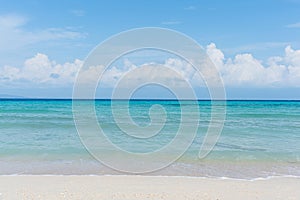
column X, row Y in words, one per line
column 245, row 70
column 292, row 56
column 216, row 55
column 134, row 75
column 11, row 21
column 40, row 71
column 239, row 71
column 295, row 25
column 15, row 36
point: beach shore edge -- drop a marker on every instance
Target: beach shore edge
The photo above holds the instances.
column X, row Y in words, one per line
column 145, row 187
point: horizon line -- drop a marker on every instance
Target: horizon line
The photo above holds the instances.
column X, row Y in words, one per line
column 142, row 99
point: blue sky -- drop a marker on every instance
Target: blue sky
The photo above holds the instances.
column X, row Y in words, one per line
column 68, row 30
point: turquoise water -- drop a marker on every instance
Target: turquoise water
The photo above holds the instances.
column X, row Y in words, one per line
column 259, row 139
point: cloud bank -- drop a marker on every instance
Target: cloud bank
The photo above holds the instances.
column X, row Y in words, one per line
column 39, row 71
column 245, row 70
column 242, row 70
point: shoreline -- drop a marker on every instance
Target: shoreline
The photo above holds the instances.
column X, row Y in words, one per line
column 144, row 187
column 210, row 169
column 156, row 176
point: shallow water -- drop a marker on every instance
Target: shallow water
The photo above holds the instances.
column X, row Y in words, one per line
column 259, row 139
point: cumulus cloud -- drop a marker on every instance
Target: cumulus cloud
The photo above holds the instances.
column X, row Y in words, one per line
column 137, row 74
column 243, row 70
column 40, row 71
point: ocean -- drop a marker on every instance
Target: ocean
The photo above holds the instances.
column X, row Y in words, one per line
column 260, row 139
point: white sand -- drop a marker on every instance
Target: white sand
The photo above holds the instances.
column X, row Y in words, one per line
column 145, row 187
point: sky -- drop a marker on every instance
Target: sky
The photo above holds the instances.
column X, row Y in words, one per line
column 254, row 44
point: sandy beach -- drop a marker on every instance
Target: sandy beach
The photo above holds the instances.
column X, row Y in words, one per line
column 145, row 187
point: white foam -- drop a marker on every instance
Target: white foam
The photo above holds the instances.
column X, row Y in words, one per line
column 171, row 176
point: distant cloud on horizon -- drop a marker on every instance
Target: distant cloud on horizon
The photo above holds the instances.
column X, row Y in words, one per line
column 246, row 70
column 242, row 70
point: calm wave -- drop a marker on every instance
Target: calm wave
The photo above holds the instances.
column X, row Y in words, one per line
column 260, row 138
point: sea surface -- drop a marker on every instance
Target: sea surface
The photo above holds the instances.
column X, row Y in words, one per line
column 260, row 139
